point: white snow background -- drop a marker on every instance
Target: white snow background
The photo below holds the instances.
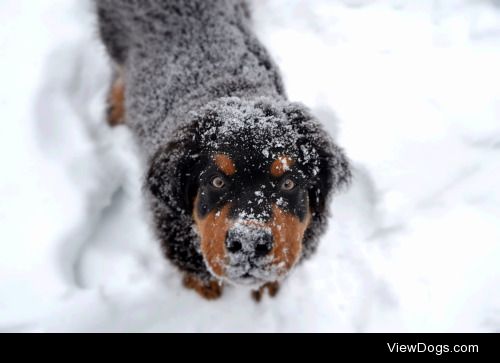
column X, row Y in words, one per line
column 411, row 90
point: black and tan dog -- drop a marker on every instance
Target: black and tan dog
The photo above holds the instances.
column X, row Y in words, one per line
column 238, row 177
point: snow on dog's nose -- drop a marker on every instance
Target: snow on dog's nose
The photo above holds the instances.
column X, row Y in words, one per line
column 248, row 247
column 250, row 241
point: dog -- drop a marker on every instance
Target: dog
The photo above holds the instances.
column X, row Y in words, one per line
column 237, row 177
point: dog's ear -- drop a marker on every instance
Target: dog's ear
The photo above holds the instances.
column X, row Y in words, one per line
column 324, row 161
column 173, row 173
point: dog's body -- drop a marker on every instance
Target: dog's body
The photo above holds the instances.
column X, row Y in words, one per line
column 238, row 176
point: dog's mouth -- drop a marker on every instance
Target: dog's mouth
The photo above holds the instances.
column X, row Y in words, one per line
column 247, row 279
column 252, row 273
column 241, row 275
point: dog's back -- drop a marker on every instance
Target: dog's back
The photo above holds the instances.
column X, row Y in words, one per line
column 179, row 54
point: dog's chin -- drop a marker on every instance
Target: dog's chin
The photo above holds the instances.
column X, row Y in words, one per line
column 254, row 278
column 246, row 280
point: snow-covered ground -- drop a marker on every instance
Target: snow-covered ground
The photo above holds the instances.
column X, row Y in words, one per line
column 409, row 88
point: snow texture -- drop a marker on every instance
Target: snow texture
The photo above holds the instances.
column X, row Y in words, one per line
column 408, row 88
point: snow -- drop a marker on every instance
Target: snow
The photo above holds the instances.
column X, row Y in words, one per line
column 409, row 89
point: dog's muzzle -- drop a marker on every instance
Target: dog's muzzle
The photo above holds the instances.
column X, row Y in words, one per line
column 253, row 242
column 248, row 248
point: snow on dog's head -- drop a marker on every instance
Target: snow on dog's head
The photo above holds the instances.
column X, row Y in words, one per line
column 254, row 176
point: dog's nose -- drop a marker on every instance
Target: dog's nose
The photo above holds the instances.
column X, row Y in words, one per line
column 264, row 245
column 233, row 245
column 252, row 241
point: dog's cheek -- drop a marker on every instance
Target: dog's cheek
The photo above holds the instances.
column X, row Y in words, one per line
column 212, row 230
column 288, row 233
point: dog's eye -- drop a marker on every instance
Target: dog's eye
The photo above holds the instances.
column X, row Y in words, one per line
column 287, row 184
column 218, row 182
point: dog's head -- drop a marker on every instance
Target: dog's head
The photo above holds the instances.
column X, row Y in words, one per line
column 254, row 176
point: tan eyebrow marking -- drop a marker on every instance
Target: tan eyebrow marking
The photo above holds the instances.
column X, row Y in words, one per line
column 281, row 165
column 225, row 164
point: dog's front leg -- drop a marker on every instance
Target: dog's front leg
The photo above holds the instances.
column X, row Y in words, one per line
column 272, row 288
column 209, row 289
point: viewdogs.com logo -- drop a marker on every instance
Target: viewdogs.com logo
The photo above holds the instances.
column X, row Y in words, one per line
column 437, row 349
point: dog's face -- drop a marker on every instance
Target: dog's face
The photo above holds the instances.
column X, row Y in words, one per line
column 251, row 212
column 253, row 177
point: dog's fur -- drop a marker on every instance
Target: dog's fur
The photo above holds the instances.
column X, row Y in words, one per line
column 192, row 81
